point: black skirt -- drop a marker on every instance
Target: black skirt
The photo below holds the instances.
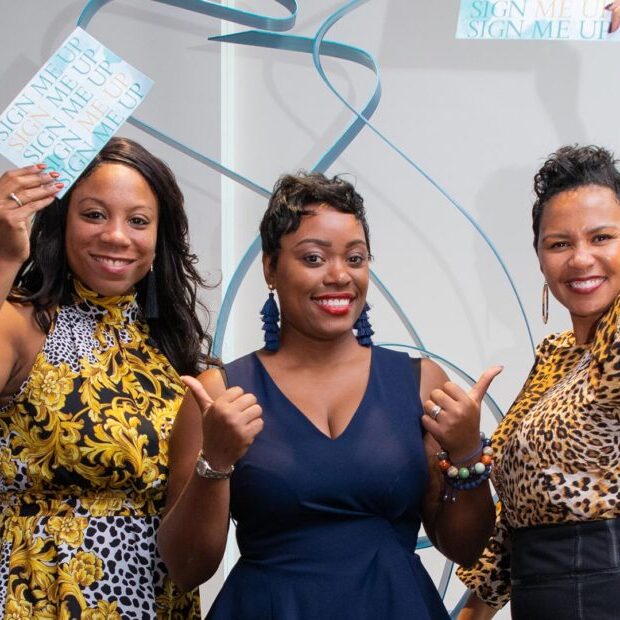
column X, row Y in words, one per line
column 568, row 572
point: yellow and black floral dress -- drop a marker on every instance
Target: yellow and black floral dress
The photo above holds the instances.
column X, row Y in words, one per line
column 83, row 469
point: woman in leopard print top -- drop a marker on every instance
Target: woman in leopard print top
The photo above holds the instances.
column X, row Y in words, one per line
column 556, row 549
column 100, row 317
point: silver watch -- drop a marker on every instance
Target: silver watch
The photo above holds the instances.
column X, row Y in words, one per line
column 206, row 471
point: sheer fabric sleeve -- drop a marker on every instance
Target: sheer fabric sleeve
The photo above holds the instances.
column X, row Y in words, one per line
column 489, row 577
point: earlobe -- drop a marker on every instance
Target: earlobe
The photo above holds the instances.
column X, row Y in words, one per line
column 268, row 271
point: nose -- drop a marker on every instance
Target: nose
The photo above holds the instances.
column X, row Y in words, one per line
column 114, row 233
column 338, row 273
column 581, row 257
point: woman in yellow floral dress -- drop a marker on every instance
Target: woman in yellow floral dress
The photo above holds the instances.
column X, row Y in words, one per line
column 97, row 314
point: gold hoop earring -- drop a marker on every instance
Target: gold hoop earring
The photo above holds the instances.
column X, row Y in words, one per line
column 545, row 303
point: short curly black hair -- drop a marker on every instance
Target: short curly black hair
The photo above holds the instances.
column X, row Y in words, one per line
column 290, row 201
column 571, row 167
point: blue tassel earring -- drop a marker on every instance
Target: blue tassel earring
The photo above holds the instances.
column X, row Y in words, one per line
column 363, row 330
column 270, row 316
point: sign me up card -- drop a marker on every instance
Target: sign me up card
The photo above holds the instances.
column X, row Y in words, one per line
column 71, row 107
column 542, row 20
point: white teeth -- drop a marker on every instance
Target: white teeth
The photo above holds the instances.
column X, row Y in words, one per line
column 114, row 262
column 584, row 284
column 343, row 301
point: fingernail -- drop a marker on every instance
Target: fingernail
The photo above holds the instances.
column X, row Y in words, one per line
column 41, row 166
column 59, row 185
column 54, row 175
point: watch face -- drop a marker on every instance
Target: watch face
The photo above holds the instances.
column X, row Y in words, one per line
column 204, row 469
column 201, row 467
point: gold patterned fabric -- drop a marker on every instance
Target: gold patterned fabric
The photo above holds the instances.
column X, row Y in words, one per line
column 83, row 469
column 557, row 456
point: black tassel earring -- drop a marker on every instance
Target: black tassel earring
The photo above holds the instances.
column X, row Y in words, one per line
column 270, row 316
column 151, row 307
column 363, row 330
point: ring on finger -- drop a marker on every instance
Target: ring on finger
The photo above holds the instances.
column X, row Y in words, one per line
column 13, row 196
column 435, row 411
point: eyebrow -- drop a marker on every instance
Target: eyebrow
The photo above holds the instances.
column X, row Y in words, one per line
column 103, row 203
column 328, row 244
column 564, row 235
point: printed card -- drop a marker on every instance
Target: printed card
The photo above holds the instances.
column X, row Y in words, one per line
column 543, row 20
column 69, row 110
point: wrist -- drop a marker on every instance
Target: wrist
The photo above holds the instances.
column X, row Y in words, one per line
column 467, row 453
column 473, row 470
column 212, row 471
column 216, row 461
column 11, row 264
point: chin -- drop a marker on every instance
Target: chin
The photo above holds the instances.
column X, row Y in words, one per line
column 110, row 289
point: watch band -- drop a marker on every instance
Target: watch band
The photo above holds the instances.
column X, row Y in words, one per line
column 205, row 470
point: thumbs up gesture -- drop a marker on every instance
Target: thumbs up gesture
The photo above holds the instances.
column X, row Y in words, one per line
column 230, row 423
column 453, row 415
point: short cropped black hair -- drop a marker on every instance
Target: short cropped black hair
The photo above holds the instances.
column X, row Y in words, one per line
column 290, row 201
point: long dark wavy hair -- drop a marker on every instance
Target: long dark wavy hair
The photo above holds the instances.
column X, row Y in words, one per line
column 177, row 330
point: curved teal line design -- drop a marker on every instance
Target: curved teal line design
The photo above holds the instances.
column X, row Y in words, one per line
column 316, row 56
column 295, row 43
column 228, row 14
column 202, row 158
column 231, row 294
column 253, row 20
column 404, row 319
column 212, row 9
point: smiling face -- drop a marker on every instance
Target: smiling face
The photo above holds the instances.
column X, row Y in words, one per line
column 579, row 253
column 111, row 231
column 321, row 275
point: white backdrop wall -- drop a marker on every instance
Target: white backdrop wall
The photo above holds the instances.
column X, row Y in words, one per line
column 479, row 117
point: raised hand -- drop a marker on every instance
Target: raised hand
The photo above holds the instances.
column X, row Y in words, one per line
column 230, row 423
column 453, row 415
column 614, row 7
column 23, row 192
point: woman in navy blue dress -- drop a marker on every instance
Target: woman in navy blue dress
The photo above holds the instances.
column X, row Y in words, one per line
column 318, row 446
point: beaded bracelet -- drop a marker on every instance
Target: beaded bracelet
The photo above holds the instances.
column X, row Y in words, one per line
column 466, row 477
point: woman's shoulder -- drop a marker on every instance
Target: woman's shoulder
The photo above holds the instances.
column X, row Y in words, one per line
column 18, row 309
column 213, row 380
column 21, row 339
column 431, row 371
column 554, row 341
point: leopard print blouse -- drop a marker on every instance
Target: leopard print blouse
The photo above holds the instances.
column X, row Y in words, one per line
column 557, row 456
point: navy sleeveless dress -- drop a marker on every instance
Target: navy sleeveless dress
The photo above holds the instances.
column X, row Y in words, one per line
column 327, row 528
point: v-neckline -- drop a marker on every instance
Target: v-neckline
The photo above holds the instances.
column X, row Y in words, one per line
column 305, row 417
